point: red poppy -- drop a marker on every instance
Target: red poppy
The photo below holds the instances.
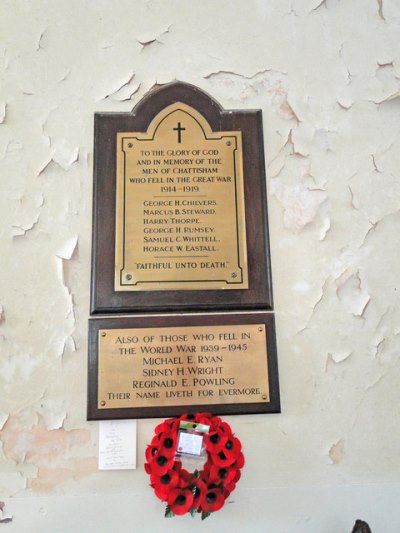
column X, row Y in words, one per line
column 222, row 474
column 204, row 418
column 238, row 475
column 224, row 426
column 206, row 414
column 151, row 452
column 168, row 443
column 199, row 490
column 160, row 429
column 163, row 484
column 220, row 459
column 226, row 493
column 180, row 500
column 232, row 484
column 187, row 417
column 215, row 420
column 185, row 477
column 213, row 499
column 229, row 488
column 232, row 447
column 178, row 465
column 161, row 464
column 165, row 426
column 215, row 440
column 239, row 463
column 155, row 440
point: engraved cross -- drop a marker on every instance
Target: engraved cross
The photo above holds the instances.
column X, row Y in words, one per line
column 179, row 129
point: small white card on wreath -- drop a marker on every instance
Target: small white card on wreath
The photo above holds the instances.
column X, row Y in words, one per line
column 191, row 438
column 189, row 443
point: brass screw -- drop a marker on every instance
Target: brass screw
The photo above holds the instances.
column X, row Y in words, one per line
column 130, row 145
column 102, row 403
column 264, row 396
column 234, row 275
column 103, row 333
column 228, row 143
column 260, row 329
column 129, row 277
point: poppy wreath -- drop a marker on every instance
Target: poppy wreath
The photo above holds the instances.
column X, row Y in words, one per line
column 203, row 491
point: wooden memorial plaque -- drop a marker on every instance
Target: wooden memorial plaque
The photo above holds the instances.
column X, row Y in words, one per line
column 180, row 225
column 141, row 368
column 180, row 217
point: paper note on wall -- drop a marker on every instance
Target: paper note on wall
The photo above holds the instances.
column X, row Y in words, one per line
column 117, row 444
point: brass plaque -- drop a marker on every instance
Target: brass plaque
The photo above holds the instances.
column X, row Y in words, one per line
column 173, row 366
column 180, row 214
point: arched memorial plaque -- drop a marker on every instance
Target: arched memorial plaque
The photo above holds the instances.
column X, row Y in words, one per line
column 180, row 219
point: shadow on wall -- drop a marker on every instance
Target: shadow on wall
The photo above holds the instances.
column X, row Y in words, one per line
column 361, row 527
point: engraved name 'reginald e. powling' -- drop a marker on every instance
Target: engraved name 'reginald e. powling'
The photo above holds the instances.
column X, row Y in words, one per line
column 180, row 213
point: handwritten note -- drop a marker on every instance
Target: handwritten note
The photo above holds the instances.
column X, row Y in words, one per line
column 117, row 444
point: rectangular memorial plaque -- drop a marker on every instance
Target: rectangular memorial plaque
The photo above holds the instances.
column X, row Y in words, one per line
column 180, row 219
column 223, row 363
column 143, row 367
column 180, row 211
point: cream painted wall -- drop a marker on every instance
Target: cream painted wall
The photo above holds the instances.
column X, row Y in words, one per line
column 326, row 75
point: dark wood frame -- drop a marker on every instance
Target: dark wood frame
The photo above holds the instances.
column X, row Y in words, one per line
column 104, row 299
column 157, row 321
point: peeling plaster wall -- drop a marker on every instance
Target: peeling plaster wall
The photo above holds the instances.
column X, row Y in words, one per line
column 326, row 75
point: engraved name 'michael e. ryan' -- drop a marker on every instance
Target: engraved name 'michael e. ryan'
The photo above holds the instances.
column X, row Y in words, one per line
column 180, row 219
